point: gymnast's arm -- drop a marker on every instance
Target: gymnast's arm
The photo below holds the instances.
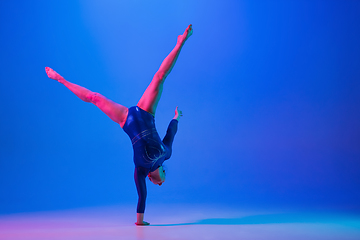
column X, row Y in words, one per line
column 140, row 176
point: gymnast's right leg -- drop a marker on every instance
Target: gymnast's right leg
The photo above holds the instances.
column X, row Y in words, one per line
column 115, row 111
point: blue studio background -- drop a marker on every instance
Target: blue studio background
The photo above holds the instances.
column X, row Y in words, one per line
column 269, row 91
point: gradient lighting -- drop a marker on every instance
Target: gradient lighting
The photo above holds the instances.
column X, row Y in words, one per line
column 269, row 91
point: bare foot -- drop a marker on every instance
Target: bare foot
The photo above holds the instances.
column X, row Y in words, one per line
column 142, row 224
column 188, row 32
column 53, row 75
column 178, row 113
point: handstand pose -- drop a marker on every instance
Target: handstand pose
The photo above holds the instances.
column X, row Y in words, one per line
column 139, row 123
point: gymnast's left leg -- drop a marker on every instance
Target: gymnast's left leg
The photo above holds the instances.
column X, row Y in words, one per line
column 152, row 94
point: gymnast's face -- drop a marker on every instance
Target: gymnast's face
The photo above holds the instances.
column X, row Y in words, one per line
column 157, row 176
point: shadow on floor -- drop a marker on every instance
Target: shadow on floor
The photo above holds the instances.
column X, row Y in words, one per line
column 275, row 219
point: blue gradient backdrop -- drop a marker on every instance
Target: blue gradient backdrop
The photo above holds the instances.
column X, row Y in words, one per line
column 269, row 91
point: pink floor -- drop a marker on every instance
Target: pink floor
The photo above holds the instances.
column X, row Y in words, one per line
column 179, row 222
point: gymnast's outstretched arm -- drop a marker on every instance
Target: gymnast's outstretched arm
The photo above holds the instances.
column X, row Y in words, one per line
column 115, row 111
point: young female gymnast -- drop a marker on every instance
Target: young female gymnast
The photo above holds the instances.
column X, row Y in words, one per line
column 138, row 122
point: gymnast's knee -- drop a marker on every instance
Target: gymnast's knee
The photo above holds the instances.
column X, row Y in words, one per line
column 93, row 97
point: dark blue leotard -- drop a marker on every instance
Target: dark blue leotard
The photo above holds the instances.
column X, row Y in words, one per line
column 149, row 151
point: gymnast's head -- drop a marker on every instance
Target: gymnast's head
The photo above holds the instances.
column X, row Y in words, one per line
column 157, row 176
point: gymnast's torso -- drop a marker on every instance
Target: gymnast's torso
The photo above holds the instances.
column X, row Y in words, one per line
column 149, row 150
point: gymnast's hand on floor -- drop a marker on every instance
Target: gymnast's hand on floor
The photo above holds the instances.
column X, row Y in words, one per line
column 188, row 32
column 140, row 220
column 142, row 223
column 178, row 113
column 52, row 74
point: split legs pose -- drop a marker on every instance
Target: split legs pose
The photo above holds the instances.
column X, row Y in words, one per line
column 148, row 101
column 150, row 98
